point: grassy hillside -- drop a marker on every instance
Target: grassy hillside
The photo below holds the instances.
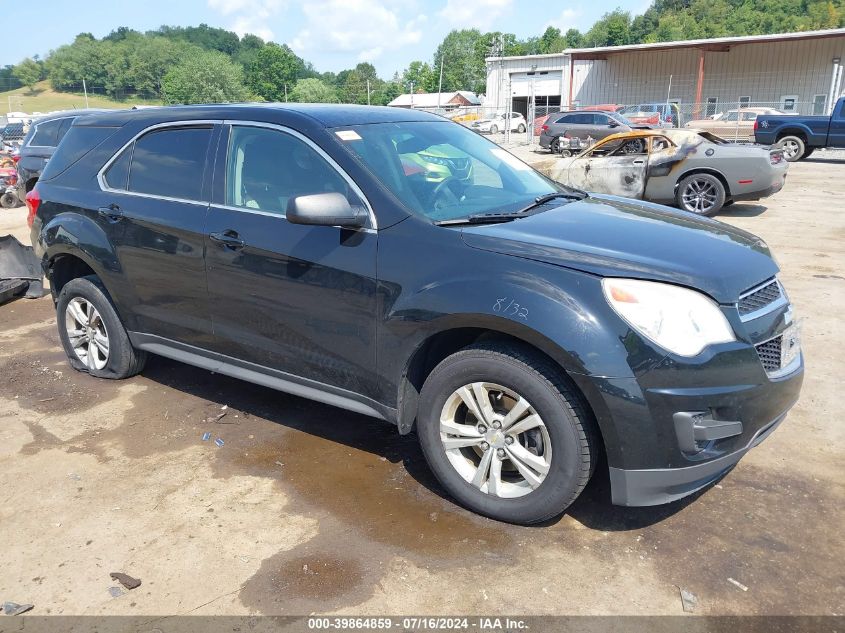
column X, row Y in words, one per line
column 45, row 99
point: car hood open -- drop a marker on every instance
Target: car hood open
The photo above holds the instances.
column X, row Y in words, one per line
column 612, row 236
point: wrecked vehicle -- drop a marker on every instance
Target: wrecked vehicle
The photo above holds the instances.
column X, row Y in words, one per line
column 695, row 171
column 526, row 330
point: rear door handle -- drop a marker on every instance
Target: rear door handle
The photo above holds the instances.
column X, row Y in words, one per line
column 112, row 213
column 228, row 239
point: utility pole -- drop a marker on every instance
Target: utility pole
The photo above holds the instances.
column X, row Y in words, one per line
column 412, row 94
column 368, row 92
column 440, row 84
column 85, row 89
column 286, row 93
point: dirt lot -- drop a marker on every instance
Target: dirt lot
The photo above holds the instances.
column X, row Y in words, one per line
column 306, row 508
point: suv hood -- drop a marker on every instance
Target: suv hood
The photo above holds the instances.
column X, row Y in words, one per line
column 618, row 237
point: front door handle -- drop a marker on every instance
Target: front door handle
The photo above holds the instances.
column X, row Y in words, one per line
column 228, row 239
column 639, row 161
column 112, row 213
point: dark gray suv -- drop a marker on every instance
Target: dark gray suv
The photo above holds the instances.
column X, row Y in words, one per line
column 581, row 125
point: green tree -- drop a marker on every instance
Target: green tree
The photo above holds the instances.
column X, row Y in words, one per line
column 573, row 39
column 613, row 29
column 312, row 90
column 204, row 77
column 463, row 54
column 85, row 58
column 551, row 41
column 28, row 72
column 421, row 76
column 355, row 82
column 273, row 68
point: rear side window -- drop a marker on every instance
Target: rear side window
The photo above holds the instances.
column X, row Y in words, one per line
column 46, row 133
column 170, row 162
column 63, row 128
column 77, row 142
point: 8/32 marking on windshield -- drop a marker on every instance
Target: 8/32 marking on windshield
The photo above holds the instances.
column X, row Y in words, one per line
column 509, row 307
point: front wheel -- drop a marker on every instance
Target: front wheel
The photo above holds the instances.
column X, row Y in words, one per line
column 521, row 128
column 494, row 129
column 505, row 434
column 554, row 146
column 793, row 147
column 92, row 335
column 702, row 194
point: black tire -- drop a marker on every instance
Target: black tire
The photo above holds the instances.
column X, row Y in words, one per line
column 9, row 200
column 713, row 185
column 794, row 148
column 569, row 426
column 728, row 203
column 808, row 151
column 123, row 360
column 554, row 145
column 494, row 129
column 521, row 128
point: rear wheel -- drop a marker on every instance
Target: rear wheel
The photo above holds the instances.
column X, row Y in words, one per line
column 494, row 129
column 9, row 200
column 505, row 434
column 702, row 194
column 554, row 146
column 793, row 148
column 92, row 335
column 521, row 128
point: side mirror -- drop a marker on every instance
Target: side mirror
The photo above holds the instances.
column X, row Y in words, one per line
column 613, row 124
column 325, row 209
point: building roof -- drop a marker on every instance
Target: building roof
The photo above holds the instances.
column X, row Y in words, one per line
column 716, row 43
column 431, row 100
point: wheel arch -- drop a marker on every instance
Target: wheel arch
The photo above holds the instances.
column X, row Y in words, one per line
column 705, row 170
column 445, row 342
column 793, row 131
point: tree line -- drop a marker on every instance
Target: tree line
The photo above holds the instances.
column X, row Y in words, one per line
column 208, row 64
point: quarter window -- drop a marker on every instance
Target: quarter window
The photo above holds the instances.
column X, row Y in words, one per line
column 117, row 174
column 266, row 168
column 170, row 163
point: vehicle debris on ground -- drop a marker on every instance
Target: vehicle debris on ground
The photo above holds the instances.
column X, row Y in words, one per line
column 20, row 271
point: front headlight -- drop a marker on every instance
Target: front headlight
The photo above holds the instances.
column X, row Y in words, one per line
column 680, row 320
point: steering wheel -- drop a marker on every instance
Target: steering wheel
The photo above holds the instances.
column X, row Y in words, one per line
column 443, row 188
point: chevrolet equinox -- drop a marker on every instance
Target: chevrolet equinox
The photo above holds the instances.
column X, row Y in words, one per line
column 521, row 328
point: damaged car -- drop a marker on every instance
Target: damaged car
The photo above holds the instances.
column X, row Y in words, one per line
column 693, row 170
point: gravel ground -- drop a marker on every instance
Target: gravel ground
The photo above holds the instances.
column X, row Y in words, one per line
column 307, row 508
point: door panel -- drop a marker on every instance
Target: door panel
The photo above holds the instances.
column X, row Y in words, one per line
column 160, row 239
column 295, row 298
column 836, row 134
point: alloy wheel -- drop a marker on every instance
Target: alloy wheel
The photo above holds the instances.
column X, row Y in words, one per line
column 699, row 196
column 495, row 439
column 87, row 333
column 790, row 148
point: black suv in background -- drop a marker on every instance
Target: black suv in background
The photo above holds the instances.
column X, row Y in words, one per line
column 522, row 327
column 38, row 146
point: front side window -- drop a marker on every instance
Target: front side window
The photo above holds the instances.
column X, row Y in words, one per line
column 266, row 168
column 444, row 171
column 170, row 162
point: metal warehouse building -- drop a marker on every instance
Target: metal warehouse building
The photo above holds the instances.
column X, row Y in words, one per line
column 799, row 72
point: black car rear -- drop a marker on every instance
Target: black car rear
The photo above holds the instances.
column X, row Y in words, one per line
column 38, row 145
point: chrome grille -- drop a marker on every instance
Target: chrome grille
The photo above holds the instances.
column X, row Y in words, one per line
column 769, row 353
column 760, row 298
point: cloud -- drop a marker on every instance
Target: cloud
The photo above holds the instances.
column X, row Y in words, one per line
column 569, row 18
column 249, row 16
column 357, row 27
column 479, row 14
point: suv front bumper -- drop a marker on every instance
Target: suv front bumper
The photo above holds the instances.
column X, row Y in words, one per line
column 757, row 408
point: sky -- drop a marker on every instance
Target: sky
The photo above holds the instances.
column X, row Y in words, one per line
column 331, row 34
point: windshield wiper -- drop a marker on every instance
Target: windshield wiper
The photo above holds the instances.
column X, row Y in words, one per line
column 491, row 218
column 541, row 200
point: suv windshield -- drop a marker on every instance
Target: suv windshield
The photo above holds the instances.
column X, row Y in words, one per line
column 444, row 171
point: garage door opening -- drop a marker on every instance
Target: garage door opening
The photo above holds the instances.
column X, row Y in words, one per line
column 544, row 104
